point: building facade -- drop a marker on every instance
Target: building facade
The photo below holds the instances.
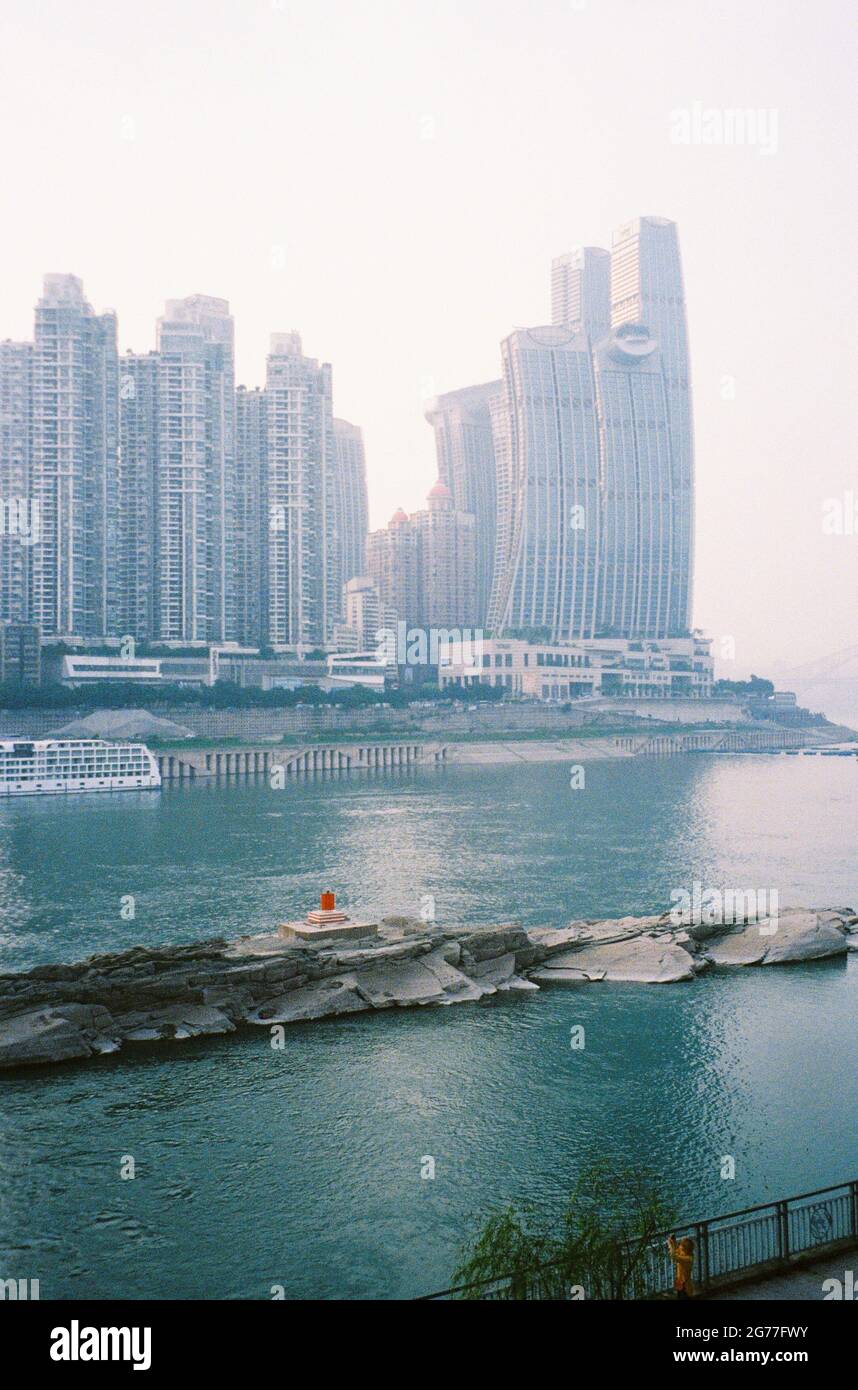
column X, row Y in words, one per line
column 674, row 668
column 547, row 573
column 393, row 564
column 423, row 566
column 18, row 523
column 351, row 503
column 137, row 546
column 302, row 592
column 195, row 481
column 647, row 288
column 581, row 291
column 20, row 654
column 74, row 464
column 250, row 518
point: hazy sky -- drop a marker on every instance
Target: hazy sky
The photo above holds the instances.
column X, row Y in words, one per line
column 393, row 179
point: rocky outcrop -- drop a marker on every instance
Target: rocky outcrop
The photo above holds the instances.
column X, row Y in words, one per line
column 645, row 960
column 60, row 1013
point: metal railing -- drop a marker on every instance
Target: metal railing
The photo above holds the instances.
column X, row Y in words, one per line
column 764, row 1239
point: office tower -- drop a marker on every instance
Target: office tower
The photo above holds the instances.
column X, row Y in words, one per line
column 581, row 291
column 647, row 288
column 465, row 450
column 17, row 534
column 638, row 595
column 137, row 510
column 74, row 464
column 548, row 556
column 350, row 500
column 393, row 564
column 446, row 562
column 250, row 518
column 302, row 591
column 195, row 472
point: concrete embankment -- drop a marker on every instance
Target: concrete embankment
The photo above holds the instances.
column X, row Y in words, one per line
column 194, row 763
column 152, row 994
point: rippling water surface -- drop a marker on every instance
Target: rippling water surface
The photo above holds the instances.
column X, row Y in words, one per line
column 303, row 1167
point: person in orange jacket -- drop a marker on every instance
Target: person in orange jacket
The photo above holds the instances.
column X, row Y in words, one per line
column 682, row 1254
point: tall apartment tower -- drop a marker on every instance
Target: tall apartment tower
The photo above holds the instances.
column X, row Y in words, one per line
column 393, row 565
column 20, row 524
column 350, row 493
column 647, row 288
column 138, row 474
column 196, row 466
column 465, row 450
column 547, row 574
column 303, row 594
column 250, row 520
column 446, row 562
column 581, row 291
column 74, row 464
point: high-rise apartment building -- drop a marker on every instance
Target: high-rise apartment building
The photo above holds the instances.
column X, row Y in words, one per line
column 465, row 451
column 424, row 565
column 18, row 523
column 195, row 472
column 138, row 504
column 74, row 464
column 581, row 291
column 250, row 519
column 303, row 595
column 446, row 562
column 351, row 504
column 393, row 564
column 548, row 553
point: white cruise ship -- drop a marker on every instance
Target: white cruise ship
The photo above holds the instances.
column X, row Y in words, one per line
column 46, row 767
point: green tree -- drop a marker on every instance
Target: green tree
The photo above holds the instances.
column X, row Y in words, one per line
column 601, row 1243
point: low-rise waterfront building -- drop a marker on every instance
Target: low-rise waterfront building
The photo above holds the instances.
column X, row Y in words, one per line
column 667, row 668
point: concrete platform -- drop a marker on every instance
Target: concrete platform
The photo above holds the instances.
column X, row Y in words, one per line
column 329, row 931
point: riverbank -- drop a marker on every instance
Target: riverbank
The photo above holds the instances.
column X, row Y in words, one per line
column 195, row 759
column 98, row 1006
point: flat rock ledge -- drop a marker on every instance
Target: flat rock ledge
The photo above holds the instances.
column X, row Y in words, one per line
column 149, row 994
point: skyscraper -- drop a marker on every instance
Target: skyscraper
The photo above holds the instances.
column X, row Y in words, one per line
column 302, row 592
column 465, row 450
column 195, row 471
column 16, row 367
column 74, row 464
column 647, row 288
column 548, row 556
column 350, row 500
column 581, row 291
column 639, row 570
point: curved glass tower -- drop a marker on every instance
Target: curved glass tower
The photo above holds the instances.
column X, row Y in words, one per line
column 647, row 288
column 548, row 572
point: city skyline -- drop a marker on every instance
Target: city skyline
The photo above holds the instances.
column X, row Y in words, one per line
column 436, row 135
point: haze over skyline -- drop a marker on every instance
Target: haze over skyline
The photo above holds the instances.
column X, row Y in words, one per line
column 395, row 189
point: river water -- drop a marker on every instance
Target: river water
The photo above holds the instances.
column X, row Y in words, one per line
column 302, row 1168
